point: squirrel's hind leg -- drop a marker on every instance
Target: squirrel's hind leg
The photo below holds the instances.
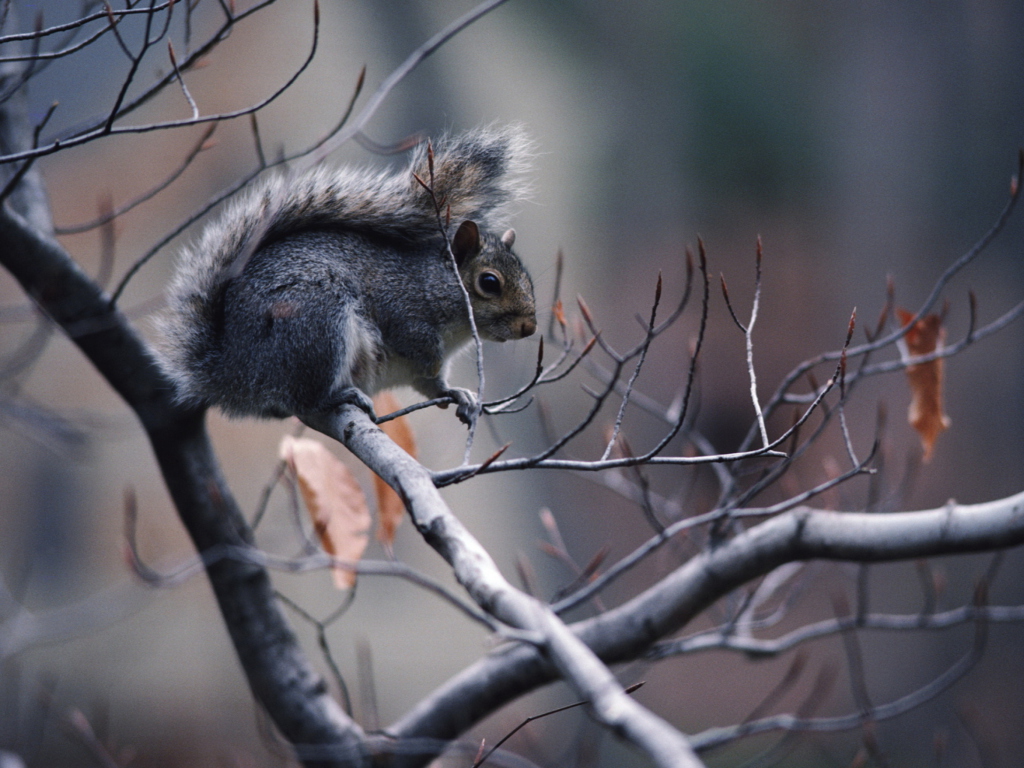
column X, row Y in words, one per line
column 352, row 396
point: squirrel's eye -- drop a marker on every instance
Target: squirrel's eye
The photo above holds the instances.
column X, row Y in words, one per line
column 489, row 284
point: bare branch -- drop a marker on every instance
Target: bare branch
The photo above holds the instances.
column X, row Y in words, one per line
column 781, row 392
column 80, row 22
column 717, row 736
column 107, row 128
column 114, row 213
column 392, row 80
column 474, row 569
column 626, row 631
column 636, row 372
column 181, row 81
column 278, row 671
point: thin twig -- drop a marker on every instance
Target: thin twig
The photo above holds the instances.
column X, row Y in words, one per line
column 531, row 718
column 181, row 81
column 399, row 74
column 748, row 333
column 781, row 393
column 231, row 191
column 114, row 213
column 104, row 130
column 636, row 372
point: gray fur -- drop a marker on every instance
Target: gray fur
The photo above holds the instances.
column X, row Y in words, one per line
column 309, row 287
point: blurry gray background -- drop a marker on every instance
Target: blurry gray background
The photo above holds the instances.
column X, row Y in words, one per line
column 858, row 139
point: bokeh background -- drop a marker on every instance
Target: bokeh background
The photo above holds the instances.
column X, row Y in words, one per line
column 859, row 140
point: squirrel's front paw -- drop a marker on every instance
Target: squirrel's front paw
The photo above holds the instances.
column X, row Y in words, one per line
column 469, row 408
column 358, row 398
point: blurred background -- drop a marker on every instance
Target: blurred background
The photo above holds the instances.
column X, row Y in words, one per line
column 860, row 141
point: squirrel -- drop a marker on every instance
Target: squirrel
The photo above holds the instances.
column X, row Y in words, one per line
column 316, row 291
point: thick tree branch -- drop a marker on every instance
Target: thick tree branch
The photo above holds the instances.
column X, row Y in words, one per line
column 627, row 631
column 478, row 574
column 277, row 670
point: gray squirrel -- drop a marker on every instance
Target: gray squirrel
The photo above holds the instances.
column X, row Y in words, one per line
column 320, row 290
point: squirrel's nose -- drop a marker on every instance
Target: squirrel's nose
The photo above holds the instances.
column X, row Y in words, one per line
column 527, row 327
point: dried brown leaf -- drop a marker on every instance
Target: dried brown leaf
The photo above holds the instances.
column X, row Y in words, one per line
column 390, row 509
column 336, row 503
column 926, row 414
column 559, row 312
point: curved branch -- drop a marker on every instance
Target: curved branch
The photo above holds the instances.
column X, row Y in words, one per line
column 629, row 630
column 779, row 396
column 278, row 672
column 106, row 127
column 384, row 89
column 80, row 22
column 714, row 737
column 479, row 575
column 762, row 648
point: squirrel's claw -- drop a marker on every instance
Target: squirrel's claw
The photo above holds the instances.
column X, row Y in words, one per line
column 468, row 404
column 358, row 398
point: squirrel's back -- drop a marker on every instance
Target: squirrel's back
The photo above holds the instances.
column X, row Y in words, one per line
column 476, row 176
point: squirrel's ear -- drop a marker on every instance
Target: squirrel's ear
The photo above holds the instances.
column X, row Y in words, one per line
column 509, row 238
column 466, row 243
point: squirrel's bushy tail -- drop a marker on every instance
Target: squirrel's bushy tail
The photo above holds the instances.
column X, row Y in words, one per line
column 476, row 175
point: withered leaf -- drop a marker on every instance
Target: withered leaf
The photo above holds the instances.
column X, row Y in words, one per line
column 926, row 414
column 390, row 509
column 336, row 503
column 559, row 312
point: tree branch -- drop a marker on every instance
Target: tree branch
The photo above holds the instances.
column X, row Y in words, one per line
column 477, row 573
column 277, row 669
column 278, row 672
column 627, row 631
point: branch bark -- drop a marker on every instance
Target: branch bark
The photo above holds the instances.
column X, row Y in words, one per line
column 278, row 672
column 479, row 575
column 627, row 631
column 280, row 676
